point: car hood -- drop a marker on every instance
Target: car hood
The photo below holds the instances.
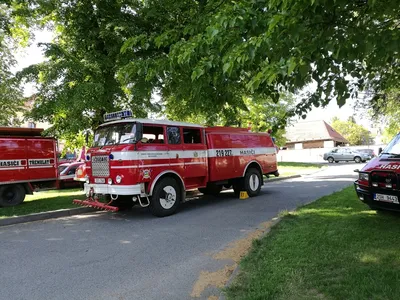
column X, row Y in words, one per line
column 383, row 163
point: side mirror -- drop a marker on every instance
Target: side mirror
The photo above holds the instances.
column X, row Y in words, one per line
column 380, row 150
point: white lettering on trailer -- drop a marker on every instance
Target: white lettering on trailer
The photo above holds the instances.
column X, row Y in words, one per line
column 11, row 163
column 39, row 163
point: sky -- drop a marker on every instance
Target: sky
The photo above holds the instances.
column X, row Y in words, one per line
column 33, row 55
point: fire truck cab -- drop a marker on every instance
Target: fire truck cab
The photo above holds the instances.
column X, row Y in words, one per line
column 154, row 162
column 378, row 183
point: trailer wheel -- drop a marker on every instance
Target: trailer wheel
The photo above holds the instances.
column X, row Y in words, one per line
column 252, row 182
column 11, row 195
column 166, row 197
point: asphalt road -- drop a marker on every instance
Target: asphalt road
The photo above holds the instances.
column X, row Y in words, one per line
column 134, row 255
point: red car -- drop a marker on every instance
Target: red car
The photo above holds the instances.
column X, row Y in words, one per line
column 66, row 174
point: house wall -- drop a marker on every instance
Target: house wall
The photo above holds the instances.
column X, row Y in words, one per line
column 306, row 145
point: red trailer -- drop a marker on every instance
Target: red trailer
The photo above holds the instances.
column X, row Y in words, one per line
column 155, row 162
column 27, row 161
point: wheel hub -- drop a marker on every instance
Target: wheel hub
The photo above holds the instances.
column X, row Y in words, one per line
column 169, row 198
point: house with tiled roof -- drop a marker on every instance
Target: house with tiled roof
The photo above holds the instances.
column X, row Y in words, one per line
column 313, row 134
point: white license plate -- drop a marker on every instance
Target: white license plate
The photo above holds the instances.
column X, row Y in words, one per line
column 99, row 180
column 386, row 198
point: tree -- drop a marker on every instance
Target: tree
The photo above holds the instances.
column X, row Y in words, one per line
column 210, row 53
column 386, row 113
column 11, row 99
column 77, row 83
column 260, row 114
column 354, row 133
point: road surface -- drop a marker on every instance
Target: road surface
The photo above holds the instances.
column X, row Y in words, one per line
column 133, row 255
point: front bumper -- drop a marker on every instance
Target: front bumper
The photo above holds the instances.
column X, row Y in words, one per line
column 365, row 195
column 110, row 189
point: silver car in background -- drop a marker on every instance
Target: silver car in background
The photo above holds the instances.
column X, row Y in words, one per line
column 346, row 154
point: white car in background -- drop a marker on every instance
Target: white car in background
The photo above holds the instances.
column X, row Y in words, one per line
column 346, row 154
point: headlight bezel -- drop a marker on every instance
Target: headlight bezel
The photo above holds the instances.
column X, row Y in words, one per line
column 363, row 176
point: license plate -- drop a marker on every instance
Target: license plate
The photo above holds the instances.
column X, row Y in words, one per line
column 99, row 180
column 386, row 198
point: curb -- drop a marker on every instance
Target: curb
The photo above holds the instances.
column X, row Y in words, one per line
column 237, row 269
column 281, row 178
column 45, row 215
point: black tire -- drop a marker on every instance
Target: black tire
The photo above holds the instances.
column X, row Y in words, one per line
column 11, row 195
column 211, row 189
column 330, row 159
column 357, row 159
column 252, row 182
column 336, row 161
column 161, row 199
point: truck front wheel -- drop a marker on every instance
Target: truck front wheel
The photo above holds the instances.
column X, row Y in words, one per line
column 11, row 195
column 166, row 197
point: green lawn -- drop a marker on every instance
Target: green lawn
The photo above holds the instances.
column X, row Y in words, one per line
column 334, row 248
column 295, row 168
column 44, row 201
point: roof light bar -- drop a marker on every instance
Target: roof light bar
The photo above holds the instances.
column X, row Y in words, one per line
column 117, row 115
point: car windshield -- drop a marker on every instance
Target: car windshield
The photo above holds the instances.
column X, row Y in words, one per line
column 122, row 133
column 61, row 168
column 393, row 147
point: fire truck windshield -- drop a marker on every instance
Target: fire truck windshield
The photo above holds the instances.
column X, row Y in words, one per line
column 393, row 148
column 122, row 133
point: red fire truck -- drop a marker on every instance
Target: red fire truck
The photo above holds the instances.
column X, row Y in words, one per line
column 27, row 161
column 154, row 162
column 378, row 183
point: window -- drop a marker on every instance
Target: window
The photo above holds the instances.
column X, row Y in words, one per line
column 174, row 136
column 191, row 136
column 122, row 133
column 153, row 134
column 72, row 171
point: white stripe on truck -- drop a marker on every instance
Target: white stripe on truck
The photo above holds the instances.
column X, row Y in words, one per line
column 146, row 155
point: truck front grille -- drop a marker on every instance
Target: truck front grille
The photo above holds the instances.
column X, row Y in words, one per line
column 384, row 180
column 100, row 166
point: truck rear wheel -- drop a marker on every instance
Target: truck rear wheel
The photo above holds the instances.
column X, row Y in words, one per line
column 11, row 195
column 252, row 182
column 166, row 197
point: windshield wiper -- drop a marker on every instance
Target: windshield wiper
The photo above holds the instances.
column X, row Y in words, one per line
column 128, row 139
column 392, row 154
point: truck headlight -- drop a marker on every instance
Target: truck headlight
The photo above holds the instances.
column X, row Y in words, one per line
column 109, row 181
column 363, row 176
column 118, row 179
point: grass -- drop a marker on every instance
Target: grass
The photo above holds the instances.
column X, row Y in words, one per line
column 43, row 201
column 334, row 248
column 297, row 168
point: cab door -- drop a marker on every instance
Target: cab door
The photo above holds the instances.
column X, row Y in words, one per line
column 175, row 150
column 195, row 156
